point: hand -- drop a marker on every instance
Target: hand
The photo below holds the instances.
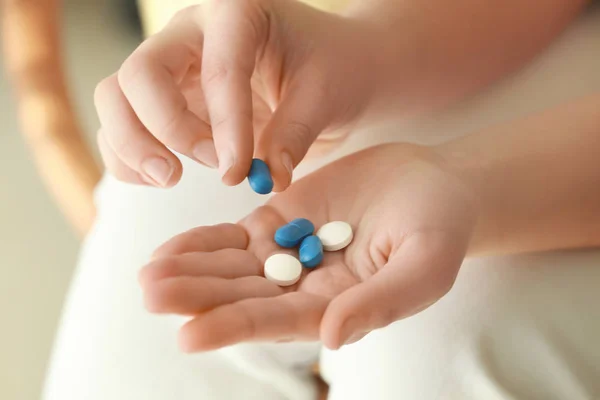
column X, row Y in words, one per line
column 413, row 219
column 244, row 78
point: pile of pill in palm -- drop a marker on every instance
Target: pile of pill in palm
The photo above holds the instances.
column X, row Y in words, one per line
column 285, row 269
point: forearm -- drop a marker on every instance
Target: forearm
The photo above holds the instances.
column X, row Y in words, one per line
column 430, row 53
column 33, row 60
column 537, row 179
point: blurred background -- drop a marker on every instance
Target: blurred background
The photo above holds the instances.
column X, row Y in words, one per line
column 38, row 247
column 49, row 159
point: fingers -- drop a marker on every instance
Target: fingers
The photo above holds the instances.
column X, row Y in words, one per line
column 205, row 239
column 293, row 316
column 233, row 34
column 295, row 125
column 126, row 142
column 186, row 295
column 226, row 263
column 421, row 272
column 117, row 167
column 150, row 79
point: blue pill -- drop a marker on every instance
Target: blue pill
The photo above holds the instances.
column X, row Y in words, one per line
column 311, row 252
column 305, row 225
column 259, row 177
column 291, row 235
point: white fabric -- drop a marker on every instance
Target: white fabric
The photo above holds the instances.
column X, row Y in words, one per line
column 512, row 328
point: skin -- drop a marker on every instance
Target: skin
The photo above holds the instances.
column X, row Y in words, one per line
column 523, row 186
column 228, row 80
column 400, row 242
column 270, row 77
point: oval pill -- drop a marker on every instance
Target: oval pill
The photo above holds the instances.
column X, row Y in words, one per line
column 288, row 236
column 335, row 235
column 311, row 251
column 259, row 177
column 292, row 234
column 304, row 224
column 283, row 269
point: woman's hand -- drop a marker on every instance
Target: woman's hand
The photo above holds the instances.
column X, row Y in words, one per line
column 413, row 219
column 228, row 80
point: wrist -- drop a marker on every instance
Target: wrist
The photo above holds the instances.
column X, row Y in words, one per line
column 394, row 48
column 471, row 173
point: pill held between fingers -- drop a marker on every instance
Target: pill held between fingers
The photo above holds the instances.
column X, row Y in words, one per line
column 283, row 269
column 291, row 234
column 311, row 252
column 335, row 235
column 259, row 177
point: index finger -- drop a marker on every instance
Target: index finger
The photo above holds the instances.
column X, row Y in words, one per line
column 232, row 35
column 150, row 80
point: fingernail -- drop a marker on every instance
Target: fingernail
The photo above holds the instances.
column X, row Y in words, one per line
column 204, row 151
column 287, row 162
column 226, row 161
column 157, row 170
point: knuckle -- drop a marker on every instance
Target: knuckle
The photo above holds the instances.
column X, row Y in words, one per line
column 134, row 66
column 171, row 127
column 300, row 135
column 244, row 116
column 214, row 74
column 300, row 129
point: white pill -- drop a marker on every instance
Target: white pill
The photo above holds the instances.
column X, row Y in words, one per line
column 335, row 235
column 283, row 269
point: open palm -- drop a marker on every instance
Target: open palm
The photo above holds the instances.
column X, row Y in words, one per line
column 412, row 220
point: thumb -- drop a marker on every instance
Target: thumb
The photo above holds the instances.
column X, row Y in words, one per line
column 294, row 126
column 421, row 272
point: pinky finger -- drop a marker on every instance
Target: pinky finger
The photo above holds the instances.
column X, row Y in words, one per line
column 115, row 166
